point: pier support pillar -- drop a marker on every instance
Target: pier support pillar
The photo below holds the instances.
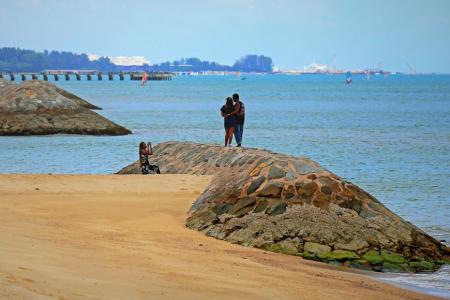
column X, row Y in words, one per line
column 67, row 76
column 23, row 77
column 34, row 76
column 121, row 77
column 45, row 77
column 89, row 77
column 78, row 76
column 110, row 76
column 1, row 75
column 99, row 75
column 12, row 77
column 56, row 77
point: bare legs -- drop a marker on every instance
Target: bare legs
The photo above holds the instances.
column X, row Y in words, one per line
column 228, row 135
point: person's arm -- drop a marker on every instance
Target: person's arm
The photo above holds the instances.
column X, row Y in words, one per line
column 237, row 107
column 241, row 111
column 150, row 149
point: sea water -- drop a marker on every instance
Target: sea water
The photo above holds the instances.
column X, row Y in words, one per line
column 389, row 135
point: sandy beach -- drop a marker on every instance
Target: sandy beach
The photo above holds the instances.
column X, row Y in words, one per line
column 123, row 237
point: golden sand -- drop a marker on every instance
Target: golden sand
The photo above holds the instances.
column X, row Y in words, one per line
column 123, row 237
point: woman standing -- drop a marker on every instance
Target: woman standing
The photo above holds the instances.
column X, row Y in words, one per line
column 229, row 121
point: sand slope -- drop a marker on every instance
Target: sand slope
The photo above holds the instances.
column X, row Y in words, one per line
column 123, row 237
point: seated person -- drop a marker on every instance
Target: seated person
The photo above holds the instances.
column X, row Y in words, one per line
column 144, row 151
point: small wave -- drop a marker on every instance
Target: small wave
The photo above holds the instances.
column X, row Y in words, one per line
column 437, row 283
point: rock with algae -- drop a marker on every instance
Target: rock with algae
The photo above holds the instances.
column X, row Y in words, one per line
column 267, row 200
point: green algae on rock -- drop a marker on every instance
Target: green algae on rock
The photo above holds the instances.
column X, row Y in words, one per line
column 373, row 257
column 292, row 205
column 344, row 255
column 422, row 265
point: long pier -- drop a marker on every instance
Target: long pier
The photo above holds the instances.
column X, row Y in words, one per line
column 78, row 75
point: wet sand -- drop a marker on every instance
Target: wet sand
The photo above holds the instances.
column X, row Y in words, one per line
column 123, row 237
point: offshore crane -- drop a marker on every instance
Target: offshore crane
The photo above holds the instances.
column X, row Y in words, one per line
column 412, row 71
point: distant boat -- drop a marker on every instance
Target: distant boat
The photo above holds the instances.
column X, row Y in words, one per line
column 348, row 78
column 238, row 74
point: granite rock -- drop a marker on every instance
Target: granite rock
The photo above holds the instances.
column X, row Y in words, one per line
column 256, row 204
column 38, row 107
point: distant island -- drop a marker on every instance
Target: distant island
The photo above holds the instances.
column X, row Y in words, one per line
column 22, row 60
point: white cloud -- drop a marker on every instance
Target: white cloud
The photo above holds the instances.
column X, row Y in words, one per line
column 122, row 60
column 93, row 57
column 129, row 60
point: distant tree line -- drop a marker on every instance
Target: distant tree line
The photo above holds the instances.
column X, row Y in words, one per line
column 248, row 63
column 20, row 60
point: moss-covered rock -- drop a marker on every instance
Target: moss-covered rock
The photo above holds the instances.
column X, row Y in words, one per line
column 373, row 257
column 341, row 255
column 392, row 257
column 336, row 263
column 360, row 264
column 288, row 247
column 391, row 267
column 316, row 248
column 307, row 255
column 282, row 247
column 422, row 265
column 443, row 261
column 272, row 247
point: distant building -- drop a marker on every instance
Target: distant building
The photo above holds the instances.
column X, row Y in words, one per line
column 316, row 68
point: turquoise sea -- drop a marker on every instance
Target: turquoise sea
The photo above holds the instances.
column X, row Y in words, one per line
column 390, row 135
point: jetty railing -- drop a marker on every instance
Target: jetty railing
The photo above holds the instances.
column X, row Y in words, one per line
column 78, row 75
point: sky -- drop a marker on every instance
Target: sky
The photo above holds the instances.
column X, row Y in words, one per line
column 348, row 34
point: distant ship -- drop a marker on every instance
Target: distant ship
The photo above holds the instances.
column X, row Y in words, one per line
column 377, row 72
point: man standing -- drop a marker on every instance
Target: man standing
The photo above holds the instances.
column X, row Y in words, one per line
column 240, row 116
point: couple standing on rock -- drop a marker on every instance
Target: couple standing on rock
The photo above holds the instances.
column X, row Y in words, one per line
column 233, row 113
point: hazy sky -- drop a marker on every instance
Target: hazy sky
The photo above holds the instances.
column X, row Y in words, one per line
column 353, row 33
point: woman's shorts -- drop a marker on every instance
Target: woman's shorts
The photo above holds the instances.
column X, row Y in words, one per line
column 230, row 122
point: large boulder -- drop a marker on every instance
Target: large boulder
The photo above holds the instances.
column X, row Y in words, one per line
column 38, row 107
column 293, row 205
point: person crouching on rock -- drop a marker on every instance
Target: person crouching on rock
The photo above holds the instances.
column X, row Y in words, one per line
column 229, row 121
column 144, row 151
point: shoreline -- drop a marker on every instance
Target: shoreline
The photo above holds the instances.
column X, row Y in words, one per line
column 110, row 236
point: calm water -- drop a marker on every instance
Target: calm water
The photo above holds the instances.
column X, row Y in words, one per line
column 389, row 135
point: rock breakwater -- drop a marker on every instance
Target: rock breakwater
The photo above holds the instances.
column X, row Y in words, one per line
column 293, row 205
column 38, row 107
